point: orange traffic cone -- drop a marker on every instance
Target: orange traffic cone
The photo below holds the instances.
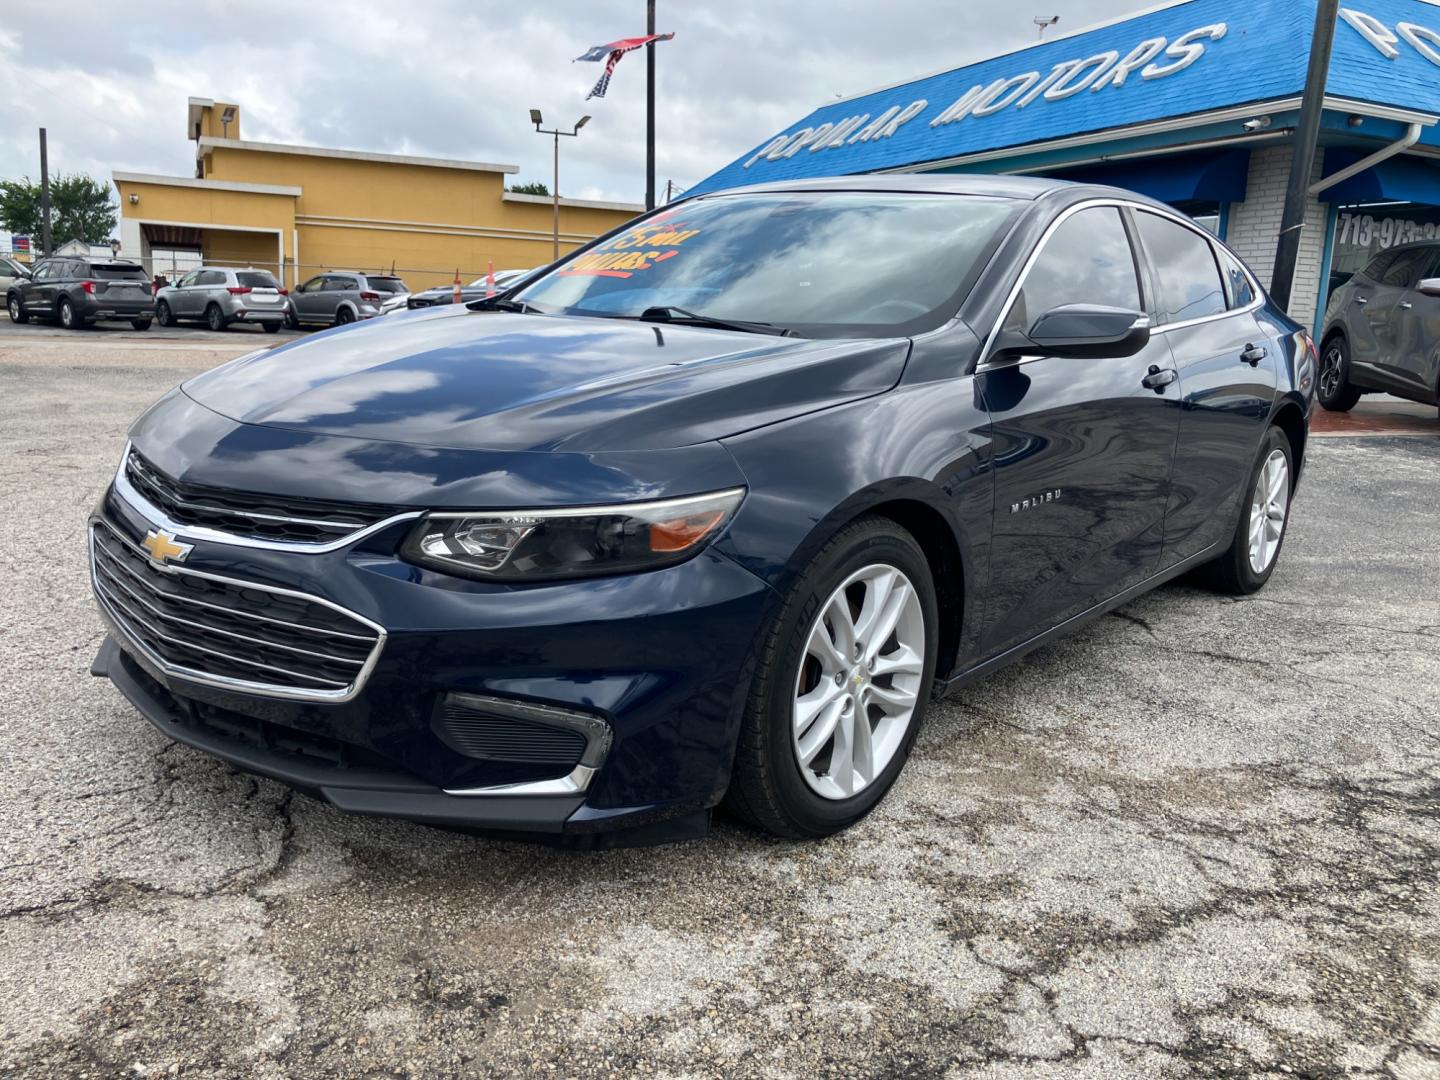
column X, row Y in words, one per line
column 490, row 280
column 455, row 296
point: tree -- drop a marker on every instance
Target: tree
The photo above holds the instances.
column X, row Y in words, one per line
column 534, row 187
column 80, row 209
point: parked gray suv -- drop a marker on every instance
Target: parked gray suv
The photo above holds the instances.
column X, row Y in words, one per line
column 1382, row 331
column 76, row 292
column 219, row 296
column 337, row 297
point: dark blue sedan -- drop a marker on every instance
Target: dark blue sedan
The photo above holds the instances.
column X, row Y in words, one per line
column 706, row 514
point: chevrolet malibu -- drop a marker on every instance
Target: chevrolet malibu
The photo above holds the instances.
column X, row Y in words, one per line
column 706, row 514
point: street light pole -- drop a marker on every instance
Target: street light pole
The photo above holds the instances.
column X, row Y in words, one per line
column 1292, row 220
column 650, row 107
column 537, row 120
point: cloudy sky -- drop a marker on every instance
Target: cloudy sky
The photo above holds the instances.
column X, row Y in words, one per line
column 453, row 79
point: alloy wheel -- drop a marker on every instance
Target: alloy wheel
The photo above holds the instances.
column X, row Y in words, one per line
column 859, row 681
column 1268, row 507
column 14, row 309
column 1331, row 376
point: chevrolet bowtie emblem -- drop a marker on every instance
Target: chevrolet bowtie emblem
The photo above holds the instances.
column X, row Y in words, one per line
column 163, row 547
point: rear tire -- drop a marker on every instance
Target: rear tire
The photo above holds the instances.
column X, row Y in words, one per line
column 215, row 318
column 17, row 310
column 1335, row 392
column 68, row 317
column 163, row 314
column 140, row 324
column 771, row 787
column 272, row 327
column 344, row 317
column 1241, row 570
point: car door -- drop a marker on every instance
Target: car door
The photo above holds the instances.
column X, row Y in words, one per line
column 338, row 289
column 1385, row 311
column 39, row 293
column 1411, row 364
column 1206, row 305
column 210, row 288
column 309, row 298
column 182, row 298
column 1082, row 449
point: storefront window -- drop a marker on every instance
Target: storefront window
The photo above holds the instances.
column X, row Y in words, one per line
column 1363, row 232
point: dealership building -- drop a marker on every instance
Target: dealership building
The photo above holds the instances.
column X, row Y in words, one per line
column 1194, row 103
column 297, row 210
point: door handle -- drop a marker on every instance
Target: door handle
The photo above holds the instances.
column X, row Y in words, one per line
column 1406, row 305
column 1362, row 299
column 1159, row 378
column 1253, row 354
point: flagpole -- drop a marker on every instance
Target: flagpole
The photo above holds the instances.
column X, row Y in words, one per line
column 650, row 107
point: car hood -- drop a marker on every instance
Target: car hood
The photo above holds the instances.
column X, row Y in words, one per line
column 463, row 379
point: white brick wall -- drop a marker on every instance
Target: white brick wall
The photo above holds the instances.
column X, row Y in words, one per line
column 1254, row 230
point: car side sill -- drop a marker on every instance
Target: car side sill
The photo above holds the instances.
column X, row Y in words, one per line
column 1076, row 621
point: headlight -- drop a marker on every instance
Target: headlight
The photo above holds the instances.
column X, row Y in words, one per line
column 545, row 545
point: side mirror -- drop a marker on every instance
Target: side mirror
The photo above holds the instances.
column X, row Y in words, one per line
column 1087, row 331
column 1430, row 286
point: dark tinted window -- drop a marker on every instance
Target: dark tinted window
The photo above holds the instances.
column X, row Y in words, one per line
column 386, row 284
column 337, row 283
column 1242, row 292
column 1408, row 268
column 117, row 272
column 1185, row 269
column 1087, row 260
column 828, row 264
column 44, row 272
column 1379, row 265
column 211, row 277
column 256, row 279
column 315, row 284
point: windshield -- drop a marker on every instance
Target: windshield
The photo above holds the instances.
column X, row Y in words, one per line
column 842, row 264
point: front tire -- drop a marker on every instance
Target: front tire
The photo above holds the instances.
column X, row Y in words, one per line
column 1264, row 516
column 17, row 310
column 140, row 324
column 841, row 687
column 1334, row 391
column 163, row 315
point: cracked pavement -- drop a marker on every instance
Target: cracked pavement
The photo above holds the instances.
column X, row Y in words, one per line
column 1199, row 838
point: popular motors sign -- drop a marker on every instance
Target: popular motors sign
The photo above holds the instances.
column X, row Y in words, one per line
column 1190, row 59
column 1150, row 59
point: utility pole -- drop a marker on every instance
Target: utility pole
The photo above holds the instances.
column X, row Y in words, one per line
column 1292, row 221
column 650, row 107
column 44, row 195
column 537, row 120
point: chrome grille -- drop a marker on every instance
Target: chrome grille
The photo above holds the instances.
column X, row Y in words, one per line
column 228, row 633
column 249, row 514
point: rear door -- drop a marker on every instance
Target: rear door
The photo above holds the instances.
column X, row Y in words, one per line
column 1082, row 448
column 1411, row 366
column 1376, row 366
column 1206, row 312
column 338, row 289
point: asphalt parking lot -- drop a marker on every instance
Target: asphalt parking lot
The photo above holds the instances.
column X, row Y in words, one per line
column 1200, row 838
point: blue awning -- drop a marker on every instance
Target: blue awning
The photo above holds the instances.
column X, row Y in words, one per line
column 1214, row 176
column 1401, row 179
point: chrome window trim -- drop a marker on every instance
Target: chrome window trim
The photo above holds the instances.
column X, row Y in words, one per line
column 1116, row 204
column 160, row 519
column 223, row 682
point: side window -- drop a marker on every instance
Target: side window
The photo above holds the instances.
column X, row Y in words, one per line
column 338, row 283
column 315, row 284
column 1407, row 269
column 189, row 279
column 1185, row 269
column 1087, row 260
column 1242, row 292
column 212, row 277
column 1376, row 270
column 44, row 272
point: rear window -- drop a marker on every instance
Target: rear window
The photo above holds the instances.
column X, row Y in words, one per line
column 386, row 284
column 256, row 279
column 117, row 272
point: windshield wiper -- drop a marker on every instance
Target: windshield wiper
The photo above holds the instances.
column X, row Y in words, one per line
column 497, row 303
column 670, row 313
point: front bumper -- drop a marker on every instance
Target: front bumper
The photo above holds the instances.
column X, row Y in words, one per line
column 661, row 658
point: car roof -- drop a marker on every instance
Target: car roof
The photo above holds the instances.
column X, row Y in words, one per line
column 1005, row 187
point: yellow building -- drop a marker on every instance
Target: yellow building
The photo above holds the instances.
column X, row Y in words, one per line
column 298, row 210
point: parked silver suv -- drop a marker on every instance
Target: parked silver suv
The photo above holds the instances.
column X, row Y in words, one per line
column 1382, row 331
column 337, row 297
column 221, row 296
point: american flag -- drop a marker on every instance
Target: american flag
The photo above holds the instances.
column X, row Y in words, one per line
column 612, row 53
